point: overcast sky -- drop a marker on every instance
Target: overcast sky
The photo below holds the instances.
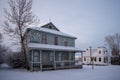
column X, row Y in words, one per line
column 89, row 20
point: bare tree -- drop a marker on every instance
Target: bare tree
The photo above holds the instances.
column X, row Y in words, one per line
column 1, row 55
column 18, row 18
column 113, row 42
column 0, row 38
column 3, row 50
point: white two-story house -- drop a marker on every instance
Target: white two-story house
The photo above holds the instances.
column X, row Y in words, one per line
column 98, row 56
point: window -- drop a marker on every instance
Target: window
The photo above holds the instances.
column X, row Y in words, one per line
column 65, row 42
column 99, row 59
column 99, row 52
column 64, row 56
column 84, row 59
column 50, row 27
column 72, row 56
column 56, row 40
column 94, row 58
column 44, row 39
column 36, row 56
column 59, row 58
column 104, row 60
column 51, row 56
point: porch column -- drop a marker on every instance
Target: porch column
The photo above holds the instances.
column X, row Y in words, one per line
column 54, row 63
column 41, row 60
column 32, row 61
column 69, row 59
column 82, row 57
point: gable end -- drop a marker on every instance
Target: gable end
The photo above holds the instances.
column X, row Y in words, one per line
column 50, row 26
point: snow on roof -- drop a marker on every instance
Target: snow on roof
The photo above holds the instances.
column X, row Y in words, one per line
column 52, row 47
column 52, row 31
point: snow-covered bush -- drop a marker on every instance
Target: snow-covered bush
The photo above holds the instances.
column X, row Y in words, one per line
column 1, row 58
column 3, row 54
column 17, row 60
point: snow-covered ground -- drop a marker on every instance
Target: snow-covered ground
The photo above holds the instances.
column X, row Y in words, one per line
column 87, row 73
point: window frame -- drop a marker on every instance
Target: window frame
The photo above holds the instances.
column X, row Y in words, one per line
column 56, row 40
column 99, row 51
column 65, row 42
column 100, row 59
column 84, row 58
column 44, row 39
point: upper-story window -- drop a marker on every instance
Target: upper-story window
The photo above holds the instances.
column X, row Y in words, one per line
column 65, row 42
column 44, row 38
column 99, row 52
column 84, row 58
column 56, row 40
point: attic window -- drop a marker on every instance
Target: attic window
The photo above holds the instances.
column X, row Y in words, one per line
column 50, row 27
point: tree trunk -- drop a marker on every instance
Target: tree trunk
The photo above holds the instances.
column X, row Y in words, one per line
column 24, row 52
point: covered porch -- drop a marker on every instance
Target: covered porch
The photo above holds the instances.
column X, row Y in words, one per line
column 52, row 59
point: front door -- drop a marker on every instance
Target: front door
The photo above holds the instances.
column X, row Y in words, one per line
column 45, row 58
column 36, row 56
column 35, row 60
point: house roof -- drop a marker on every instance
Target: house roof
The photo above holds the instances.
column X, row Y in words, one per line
column 53, row 47
column 45, row 28
column 52, row 31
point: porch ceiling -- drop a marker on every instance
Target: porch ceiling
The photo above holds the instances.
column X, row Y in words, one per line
column 53, row 47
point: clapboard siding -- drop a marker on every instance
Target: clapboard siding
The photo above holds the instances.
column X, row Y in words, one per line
column 36, row 37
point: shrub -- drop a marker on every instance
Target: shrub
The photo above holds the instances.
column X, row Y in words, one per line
column 3, row 53
column 17, row 60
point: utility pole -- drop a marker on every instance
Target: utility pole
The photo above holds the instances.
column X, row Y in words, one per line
column 91, row 58
column 82, row 57
column 90, row 55
column 92, row 62
column 119, row 52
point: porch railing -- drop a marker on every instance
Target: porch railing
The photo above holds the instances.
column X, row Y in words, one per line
column 37, row 66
